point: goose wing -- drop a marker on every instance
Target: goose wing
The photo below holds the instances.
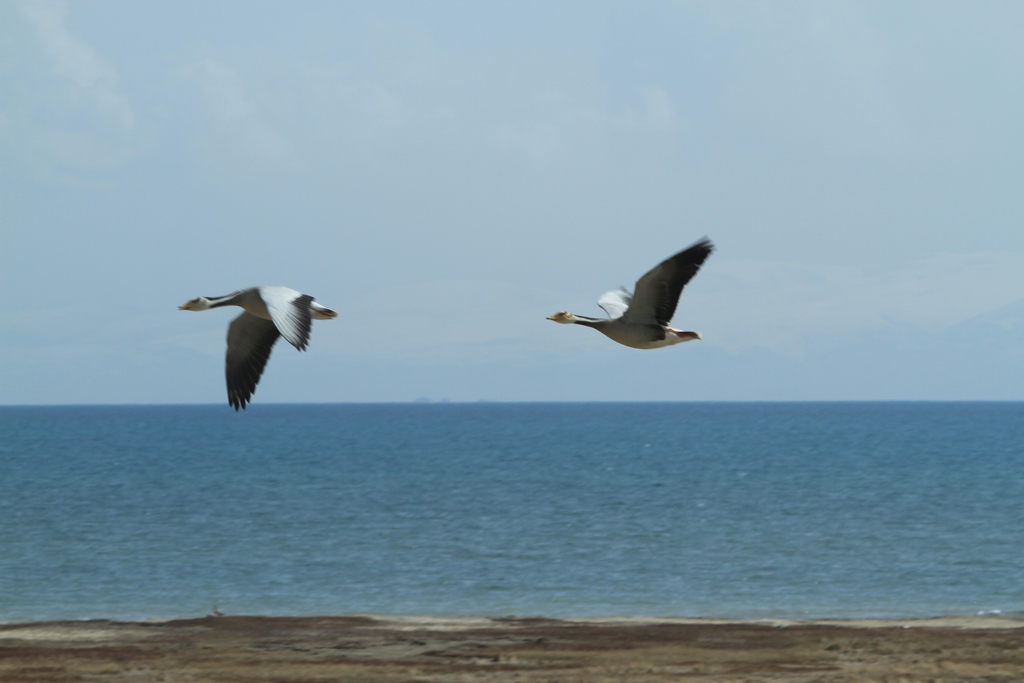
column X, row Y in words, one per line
column 250, row 340
column 615, row 302
column 657, row 292
column 290, row 312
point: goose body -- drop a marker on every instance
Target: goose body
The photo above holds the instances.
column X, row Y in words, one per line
column 268, row 313
column 641, row 320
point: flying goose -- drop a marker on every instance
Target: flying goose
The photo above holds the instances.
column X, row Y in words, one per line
column 640, row 320
column 270, row 312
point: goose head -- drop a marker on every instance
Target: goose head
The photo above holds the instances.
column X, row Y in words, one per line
column 200, row 303
column 563, row 317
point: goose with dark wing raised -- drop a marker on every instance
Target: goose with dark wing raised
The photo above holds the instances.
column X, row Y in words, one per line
column 269, row 313
column 641, row 320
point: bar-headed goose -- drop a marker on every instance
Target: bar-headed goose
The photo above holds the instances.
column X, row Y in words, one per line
column 640, row 320
column 270, row 312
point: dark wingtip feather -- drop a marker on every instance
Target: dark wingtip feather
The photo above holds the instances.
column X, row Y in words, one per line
column 667, row 280
column 303, row 321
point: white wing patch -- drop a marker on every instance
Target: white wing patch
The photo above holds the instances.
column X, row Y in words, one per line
column 615, row 302
column 290, row 312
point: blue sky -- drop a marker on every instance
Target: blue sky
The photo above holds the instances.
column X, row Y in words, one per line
column 447, row 174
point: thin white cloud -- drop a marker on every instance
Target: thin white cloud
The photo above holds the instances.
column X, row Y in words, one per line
column 224, row 92
column 569, row 124
column 439, row 315
column 537, row 141
column 659, row 107
column 781, row 306
column 384, row 105
column 241, row 122
column 91, row 78
column 819, row 75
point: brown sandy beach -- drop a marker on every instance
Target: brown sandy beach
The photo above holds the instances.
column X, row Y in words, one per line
column 526, row 650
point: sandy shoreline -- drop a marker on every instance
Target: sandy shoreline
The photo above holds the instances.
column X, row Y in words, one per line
column 393, row 649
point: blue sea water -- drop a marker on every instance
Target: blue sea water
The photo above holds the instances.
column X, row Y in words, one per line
column 676, row 509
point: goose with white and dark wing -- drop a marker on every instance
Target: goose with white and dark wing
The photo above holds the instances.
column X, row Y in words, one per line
column 641, row 320
column 269, row 313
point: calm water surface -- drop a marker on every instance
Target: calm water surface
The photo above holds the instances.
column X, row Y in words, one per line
column 684, row 509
